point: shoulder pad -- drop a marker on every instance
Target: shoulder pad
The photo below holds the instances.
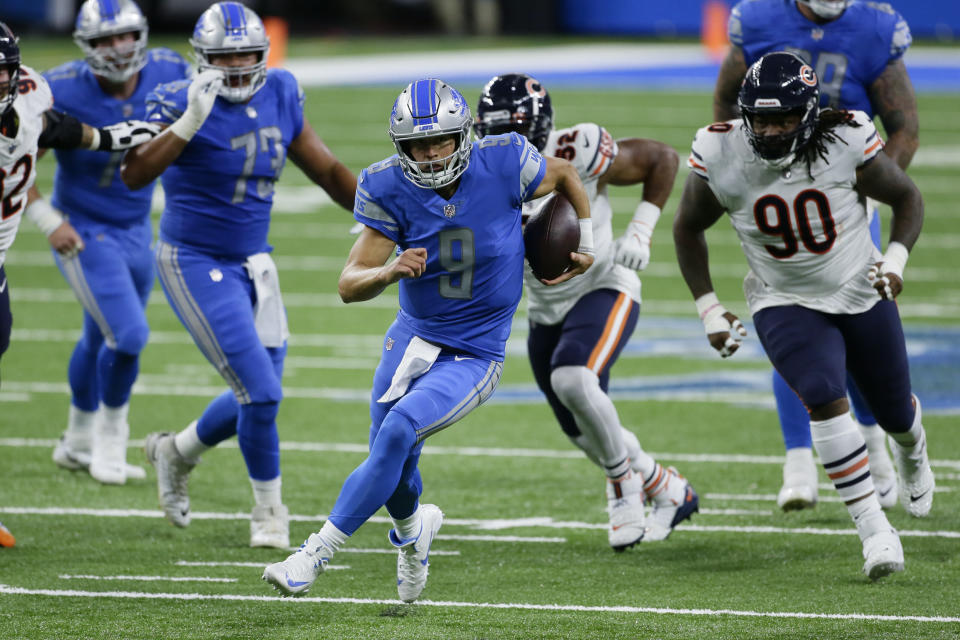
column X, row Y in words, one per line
column 708, row 146
column 588, row 146
column 34, row 89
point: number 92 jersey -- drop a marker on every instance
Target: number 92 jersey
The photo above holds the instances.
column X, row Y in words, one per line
column 848, row 53
column 807, row 241
column 469, row 292
column 219, row 191
column 18, row 155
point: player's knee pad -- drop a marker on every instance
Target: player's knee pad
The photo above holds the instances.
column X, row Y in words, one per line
column 131, row 339
column 397, row 434
column 262, row 389
column 260, row 414
column 573, row 385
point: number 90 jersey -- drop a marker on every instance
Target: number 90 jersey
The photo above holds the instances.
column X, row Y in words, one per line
column 807, row 241
column 591, row 150
column 469, row 292
column 18, row 155
column 219, row 191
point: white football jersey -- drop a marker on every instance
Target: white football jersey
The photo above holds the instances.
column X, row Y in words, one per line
column 807, row 241
column 591, row 150
column 18, row 155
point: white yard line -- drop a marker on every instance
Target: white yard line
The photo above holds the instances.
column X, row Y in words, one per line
column 136, row 595
column 66, row 576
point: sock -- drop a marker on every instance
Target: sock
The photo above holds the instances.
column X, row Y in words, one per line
column 188, row 444
column 843, row 452
column 266, row 492
column 408, row 529
column 910, row 439
column 80, row 423
column 578, row 388
column 657, row 482
column 332, row 537
column 640, row 461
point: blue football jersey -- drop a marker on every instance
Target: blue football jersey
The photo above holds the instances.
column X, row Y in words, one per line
column 474, row 276
column 219, row 191
column 87, row 184
column 848, row 53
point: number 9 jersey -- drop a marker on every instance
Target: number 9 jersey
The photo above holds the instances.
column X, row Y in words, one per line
column 219, row 191
column 807, row 241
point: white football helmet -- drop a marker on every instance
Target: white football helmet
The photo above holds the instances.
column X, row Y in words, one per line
column 230, row 27
column 826, row 9
column 425, row 109
column 101, row 18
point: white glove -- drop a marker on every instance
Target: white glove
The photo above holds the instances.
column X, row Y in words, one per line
column 633, row 249
column 125, row 135
column 200, row 99
column 724, row 330
column 887, row 275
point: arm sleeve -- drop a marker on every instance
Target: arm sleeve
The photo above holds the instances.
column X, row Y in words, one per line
column 60, row 131
column 532, row 166
column 367, row 211
column 163, row 107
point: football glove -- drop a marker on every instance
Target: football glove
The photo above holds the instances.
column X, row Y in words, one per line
column 724, row 330
column 633, row 249
column 887, row 275
column 126, row 135
column 201, row 96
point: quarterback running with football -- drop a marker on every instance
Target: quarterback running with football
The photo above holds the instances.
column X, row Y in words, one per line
column 578, row 328
column 793, row 180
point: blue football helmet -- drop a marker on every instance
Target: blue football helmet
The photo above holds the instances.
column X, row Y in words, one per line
column 431, row 108
column 780, row 83
column 515, row 102
column 827, row 9
column 9, row 60
column 101, row 18
column 230, row 27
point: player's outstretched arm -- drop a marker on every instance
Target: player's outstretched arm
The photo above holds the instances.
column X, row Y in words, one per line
column 320, row 165
column 562, row 176
column 883, row 180
column 655, row 165
column 698, row 211
column 144, row 164
column 63, row 131
column 732, row 70
column 894, row 100
column 366, row 273
column 61, row 235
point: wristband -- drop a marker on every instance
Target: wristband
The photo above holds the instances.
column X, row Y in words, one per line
column 707, row 304
column 95, row 140
column 586, row 235
column 187, row 125
column 895, row 259
column 44, row 216
column 645, row 217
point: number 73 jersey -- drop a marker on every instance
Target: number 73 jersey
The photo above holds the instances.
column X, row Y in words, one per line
column 807, row 241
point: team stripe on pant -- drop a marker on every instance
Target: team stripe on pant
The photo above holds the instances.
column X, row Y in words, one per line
column 474, row 399
column 168, row 267
column 612, row 332
column 851, row 475
column 73, row 271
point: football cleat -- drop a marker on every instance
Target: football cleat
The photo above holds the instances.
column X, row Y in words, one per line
column 6, row 538
column 173, row 472
column 916, row 477
column 799, row 490
column 295, row 575
column 270, row 526
column 625, row 509
column 413, row 560
column 881, row 466
column 108, row 459
column 673, row 500
column 72, row 453
column 883, row 554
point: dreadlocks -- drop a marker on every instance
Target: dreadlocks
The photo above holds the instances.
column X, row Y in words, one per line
column 824, row 133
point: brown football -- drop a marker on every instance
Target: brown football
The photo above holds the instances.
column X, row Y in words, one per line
column 550, row 236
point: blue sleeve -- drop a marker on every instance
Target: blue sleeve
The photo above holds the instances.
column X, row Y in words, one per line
column 367, row 209
column 166, row 103
column 746, row 29
column 294, row 99
column 901, row 39
column 532, row 166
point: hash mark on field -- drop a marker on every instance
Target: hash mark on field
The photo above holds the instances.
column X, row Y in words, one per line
column 55, row 593
column 258, row 565
column 66, row 576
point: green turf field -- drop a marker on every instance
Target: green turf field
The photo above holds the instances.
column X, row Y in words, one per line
column 522, row 552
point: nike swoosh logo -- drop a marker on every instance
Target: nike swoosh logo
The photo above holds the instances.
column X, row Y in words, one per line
column 459, row 358
column 883, row 493
column 914, row 498
column 294, row 583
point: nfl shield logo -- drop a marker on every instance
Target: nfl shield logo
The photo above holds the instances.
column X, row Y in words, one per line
column 389, row 344
column 449, row 210
column 817, row 33
column 127, row 110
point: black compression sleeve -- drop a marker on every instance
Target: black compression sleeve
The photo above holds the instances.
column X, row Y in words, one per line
column 61, row 131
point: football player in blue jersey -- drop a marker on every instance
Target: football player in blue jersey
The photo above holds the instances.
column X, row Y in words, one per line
column 113, row 275
column 228, row 135
column 452, row 207
column 856, row 49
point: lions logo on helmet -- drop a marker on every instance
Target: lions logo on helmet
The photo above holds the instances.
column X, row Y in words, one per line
column 226, row 28
column 515, row 102
column 431, row 108
column 103, row 18
column 9, row 60
column 780, row 83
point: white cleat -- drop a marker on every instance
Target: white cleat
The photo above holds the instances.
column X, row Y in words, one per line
column 173, row 472
column 72, row 453
column 799, row 490
column 270, row 526
column 413, row 560
column 295, row 575
column 676, row 502
column 881, row 466
column 916, row 477
column 625, row 509
column 108, row 460
column 883, row 554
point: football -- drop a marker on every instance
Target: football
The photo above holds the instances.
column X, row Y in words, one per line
column 550, row 236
